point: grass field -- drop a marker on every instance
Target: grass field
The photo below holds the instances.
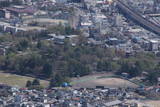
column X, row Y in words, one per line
column 16, row 80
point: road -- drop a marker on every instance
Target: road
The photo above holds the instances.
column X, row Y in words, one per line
column 136, row 17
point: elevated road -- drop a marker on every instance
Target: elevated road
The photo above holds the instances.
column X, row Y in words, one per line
column 135, row 16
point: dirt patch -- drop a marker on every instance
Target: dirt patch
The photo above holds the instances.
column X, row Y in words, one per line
column 93, row 81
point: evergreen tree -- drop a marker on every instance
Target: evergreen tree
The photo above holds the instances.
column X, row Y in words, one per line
column 47, row 69
column 28, row 84
column 57, row 80
column 35, row 82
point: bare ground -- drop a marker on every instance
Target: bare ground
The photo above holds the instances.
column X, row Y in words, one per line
column 95, row 80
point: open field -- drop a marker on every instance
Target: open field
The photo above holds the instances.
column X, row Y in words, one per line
column 145, row 103
column 16, row 80
column 101, row 80
column 152, row 103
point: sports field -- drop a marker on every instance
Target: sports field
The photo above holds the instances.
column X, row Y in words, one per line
column 101, row 80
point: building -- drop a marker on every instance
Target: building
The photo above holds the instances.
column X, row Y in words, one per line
column 4, row 14
column 19, row 10
column 154, row 45
column 113, row 41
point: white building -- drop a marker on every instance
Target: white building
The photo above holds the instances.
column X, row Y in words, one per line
column 154, row 45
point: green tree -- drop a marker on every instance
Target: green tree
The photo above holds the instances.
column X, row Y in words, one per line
column 69, row 30
column 39, row 44
column 76, row 68
column 152, row 77
column 28, row 84
column 104, row 66
column 58, row 29
column 23, row 44
column 35, row 82
column 134, row 71
column 124, row 67
column 57, row 80
column 47, row 70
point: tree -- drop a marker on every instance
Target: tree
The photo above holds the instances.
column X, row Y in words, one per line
column 76, row 68
column 133, row 69
column 39, row 44
column 59, row 29
column 104, row 66
column 69, row 30
column 152, row 77
column 28, row 84
column 124, row 67
column 23, row 44
column 35, row 82
column 57, row 80
column 47, row 69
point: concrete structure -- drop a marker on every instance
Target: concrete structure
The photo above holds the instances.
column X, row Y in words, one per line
column 4, row 14
column 154, row 45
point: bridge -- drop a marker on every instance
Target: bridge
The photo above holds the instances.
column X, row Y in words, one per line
column 136, row 17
